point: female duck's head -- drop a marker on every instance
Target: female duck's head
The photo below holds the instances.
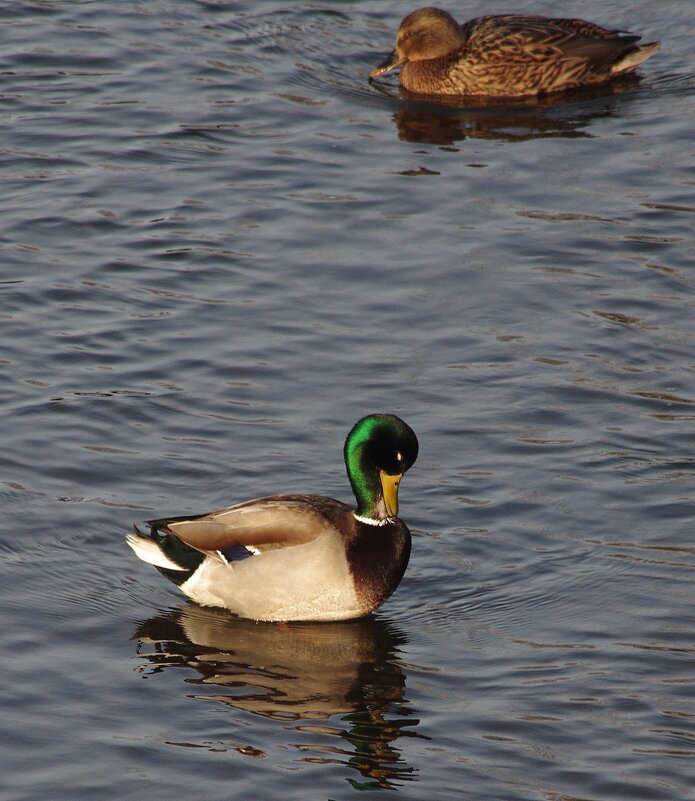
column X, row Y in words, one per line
column 423, row 35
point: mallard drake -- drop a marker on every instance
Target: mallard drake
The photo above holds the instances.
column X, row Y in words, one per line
column 508, row 55
column 298, row 557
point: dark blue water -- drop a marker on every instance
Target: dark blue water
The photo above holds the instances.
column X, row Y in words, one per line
column 220, row 247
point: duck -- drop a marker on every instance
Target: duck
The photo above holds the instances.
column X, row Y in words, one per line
column 508, row 55
column 298, row 557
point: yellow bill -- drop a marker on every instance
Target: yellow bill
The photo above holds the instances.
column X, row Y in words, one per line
column 389, row 488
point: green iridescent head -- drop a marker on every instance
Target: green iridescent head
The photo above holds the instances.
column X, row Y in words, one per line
column 378, row 451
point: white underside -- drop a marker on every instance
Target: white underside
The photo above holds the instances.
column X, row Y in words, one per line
column 303, row 582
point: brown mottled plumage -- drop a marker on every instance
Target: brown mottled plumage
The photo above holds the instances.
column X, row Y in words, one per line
column 508, row 55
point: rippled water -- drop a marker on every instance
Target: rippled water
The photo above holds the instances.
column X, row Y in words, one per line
column 220, row 246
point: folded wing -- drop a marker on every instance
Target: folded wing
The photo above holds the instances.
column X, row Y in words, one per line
column 259, row 525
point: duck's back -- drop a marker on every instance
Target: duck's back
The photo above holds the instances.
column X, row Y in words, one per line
column 523, row 38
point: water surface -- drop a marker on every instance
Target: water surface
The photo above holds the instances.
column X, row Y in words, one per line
column 220, row 246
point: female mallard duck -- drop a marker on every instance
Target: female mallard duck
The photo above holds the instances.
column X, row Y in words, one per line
column 510, row 55
column 298, row 557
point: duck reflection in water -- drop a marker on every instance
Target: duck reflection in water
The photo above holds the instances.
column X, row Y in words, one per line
column 298, row 674
column 448, row 120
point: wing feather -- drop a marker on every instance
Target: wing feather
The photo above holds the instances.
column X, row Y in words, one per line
column 264, row 523
column 519, row 38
